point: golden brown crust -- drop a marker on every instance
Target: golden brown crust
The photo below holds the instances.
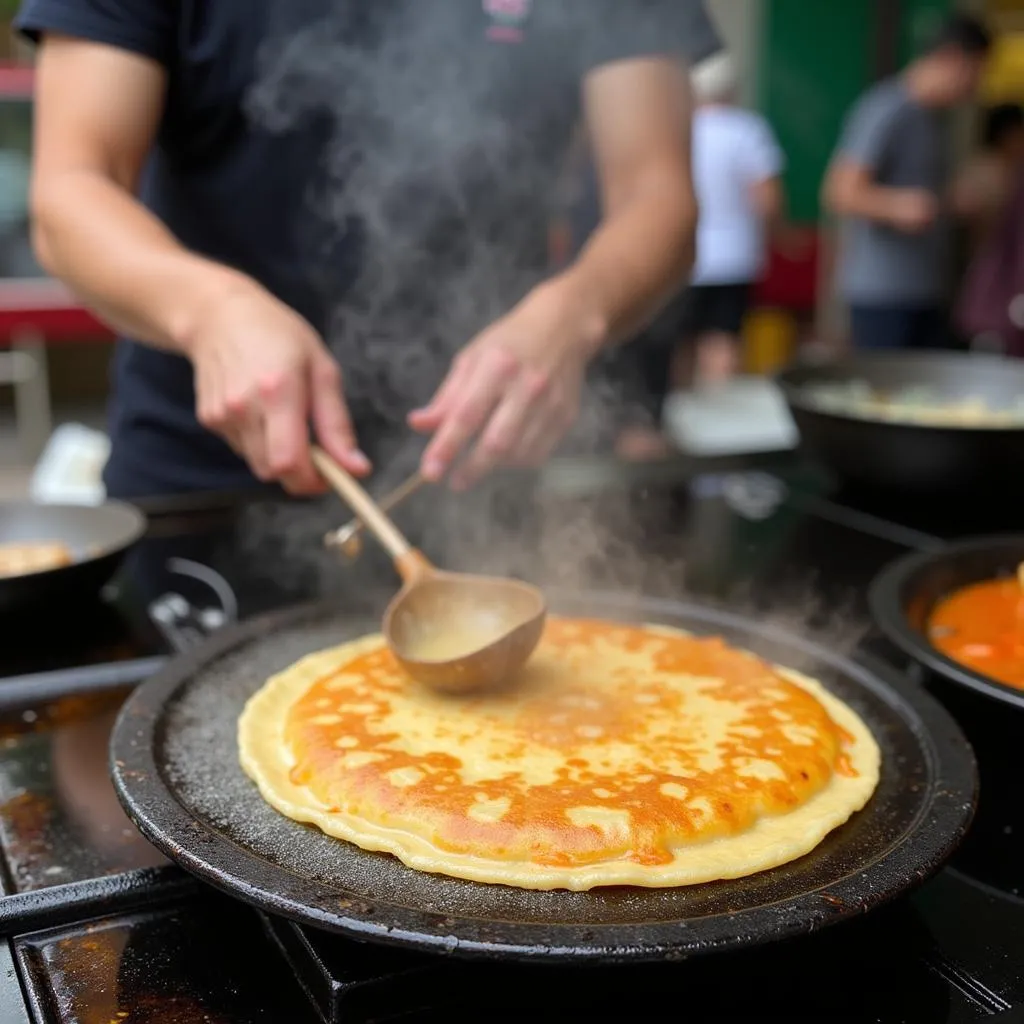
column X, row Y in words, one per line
column 627, row 756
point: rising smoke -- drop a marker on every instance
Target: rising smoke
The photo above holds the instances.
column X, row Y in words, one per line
column 413, row 155
column 413, row 147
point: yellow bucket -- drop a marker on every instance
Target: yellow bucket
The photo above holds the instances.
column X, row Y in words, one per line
column 769, row 340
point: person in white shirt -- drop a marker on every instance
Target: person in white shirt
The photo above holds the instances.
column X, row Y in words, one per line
column 737, row 171
column 737, row 168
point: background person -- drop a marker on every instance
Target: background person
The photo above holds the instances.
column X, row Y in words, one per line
column 737, row 171
column 737, row 167
column 984, row 187
column 887, row 181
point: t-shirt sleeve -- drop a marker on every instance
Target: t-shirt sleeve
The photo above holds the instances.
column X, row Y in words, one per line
column 619, row 30
column 761, row 153
column 867, row 130
column 144, row 27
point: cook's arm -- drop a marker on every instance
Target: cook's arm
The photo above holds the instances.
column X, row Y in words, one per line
column 261, row 371
column 517, row 384
column 97, row 110
column 638, row 123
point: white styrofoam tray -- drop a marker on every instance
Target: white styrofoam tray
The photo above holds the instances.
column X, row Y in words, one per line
column 69, row 472
column 743, row 416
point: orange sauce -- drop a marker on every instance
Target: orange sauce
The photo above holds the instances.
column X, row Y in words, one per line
column 982, row 628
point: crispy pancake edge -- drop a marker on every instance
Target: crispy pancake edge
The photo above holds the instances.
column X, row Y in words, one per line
column 770, row 842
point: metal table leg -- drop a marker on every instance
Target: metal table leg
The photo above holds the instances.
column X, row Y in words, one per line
column 33, row 415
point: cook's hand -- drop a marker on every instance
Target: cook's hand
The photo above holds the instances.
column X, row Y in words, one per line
column 913, row 210
column 262, row 375
column 515, row 388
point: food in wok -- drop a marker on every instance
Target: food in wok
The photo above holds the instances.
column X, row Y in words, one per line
column 20, row 559
column 921, row 405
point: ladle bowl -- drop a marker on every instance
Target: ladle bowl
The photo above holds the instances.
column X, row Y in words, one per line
column 453, row 632
column 458, row 633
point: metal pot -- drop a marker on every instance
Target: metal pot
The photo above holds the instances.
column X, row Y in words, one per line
column 900, row 456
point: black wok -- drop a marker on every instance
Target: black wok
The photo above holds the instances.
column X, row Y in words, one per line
column 98, row 536
column 907, row 457
column 902, row 599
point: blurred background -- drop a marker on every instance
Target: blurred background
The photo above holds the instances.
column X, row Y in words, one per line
column 802, row 65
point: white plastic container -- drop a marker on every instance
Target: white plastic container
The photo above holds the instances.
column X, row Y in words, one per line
column 743, row 416
column 69, row 472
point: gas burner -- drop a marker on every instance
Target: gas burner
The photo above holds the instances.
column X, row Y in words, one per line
column 755, row 497
column 184, row 622
column 100, row 927
column 922, row 961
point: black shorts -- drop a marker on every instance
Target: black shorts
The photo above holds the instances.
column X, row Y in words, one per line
column 639, row 371
column 705, row 308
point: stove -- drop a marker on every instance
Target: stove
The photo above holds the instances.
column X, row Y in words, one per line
column 98, row 927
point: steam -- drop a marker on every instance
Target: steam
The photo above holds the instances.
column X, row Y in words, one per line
column 448, row 207
column 414, row 147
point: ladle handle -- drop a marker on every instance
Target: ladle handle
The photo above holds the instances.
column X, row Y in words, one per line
column 347, row 537
column 363, row 505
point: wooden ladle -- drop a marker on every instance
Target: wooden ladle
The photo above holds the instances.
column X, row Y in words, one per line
column 453, row 632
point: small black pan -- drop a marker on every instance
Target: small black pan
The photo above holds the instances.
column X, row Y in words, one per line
column 912, row 457
column 902, row 600
column 98, row 536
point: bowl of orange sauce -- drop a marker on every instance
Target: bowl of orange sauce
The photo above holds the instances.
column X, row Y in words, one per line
column 959, row 612
column 981, row 627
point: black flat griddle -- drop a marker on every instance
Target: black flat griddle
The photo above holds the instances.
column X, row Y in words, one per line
column 175, row 768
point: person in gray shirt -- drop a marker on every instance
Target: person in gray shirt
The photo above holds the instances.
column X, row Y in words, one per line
column 887, row 181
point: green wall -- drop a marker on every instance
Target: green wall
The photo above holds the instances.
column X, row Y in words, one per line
column 815, row 62
column 817, row 57
column 921, row 20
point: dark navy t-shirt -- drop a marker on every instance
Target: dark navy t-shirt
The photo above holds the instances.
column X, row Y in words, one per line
column 384, row 167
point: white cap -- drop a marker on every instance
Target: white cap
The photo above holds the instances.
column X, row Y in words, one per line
column 715, row 78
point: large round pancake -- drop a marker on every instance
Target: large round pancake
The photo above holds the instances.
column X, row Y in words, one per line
column 626, row 755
